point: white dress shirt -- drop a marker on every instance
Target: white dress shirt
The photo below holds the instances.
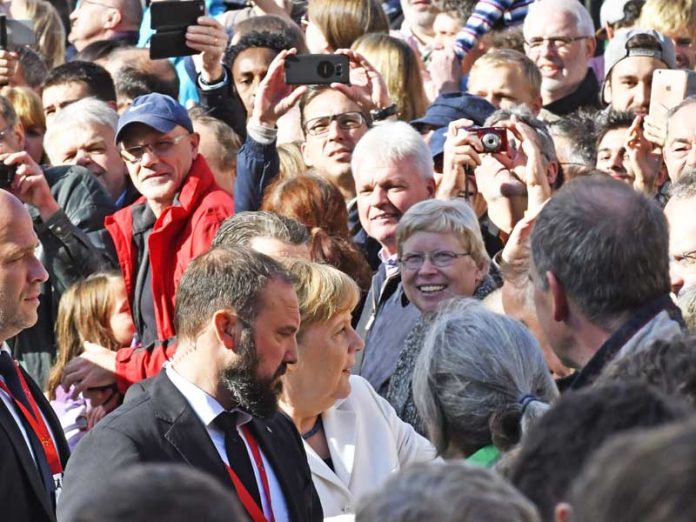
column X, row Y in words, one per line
column 207, row 409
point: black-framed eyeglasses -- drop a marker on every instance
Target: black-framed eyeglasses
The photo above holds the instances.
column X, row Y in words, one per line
column 345, row 120
column 685, row 259
column 160, row 147
column 557, row 42
column 440, row 258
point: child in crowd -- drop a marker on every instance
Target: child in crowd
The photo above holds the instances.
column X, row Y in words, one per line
column 92, row 310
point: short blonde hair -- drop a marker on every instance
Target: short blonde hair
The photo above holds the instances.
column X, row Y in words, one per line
column 322, row 291
column 676, row 17
column 454, row 216
column 27, row 105
column 508, row 57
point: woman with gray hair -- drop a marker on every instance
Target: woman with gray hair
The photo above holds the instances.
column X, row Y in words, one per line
column 479, row 382
column 442, row 255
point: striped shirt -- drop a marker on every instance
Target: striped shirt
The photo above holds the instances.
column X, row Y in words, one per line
column 486, row 14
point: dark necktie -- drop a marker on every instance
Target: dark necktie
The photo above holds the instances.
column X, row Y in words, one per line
column 237, row 454
column 8, row 371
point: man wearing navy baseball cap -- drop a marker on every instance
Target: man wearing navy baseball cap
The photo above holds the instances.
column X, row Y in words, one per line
column 177, row 217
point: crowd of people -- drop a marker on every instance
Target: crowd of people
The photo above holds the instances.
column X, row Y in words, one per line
column 459, row 287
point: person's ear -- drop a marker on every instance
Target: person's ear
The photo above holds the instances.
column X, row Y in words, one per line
column 431, row 188
column 562, row 512
column 112, row 19
column 559, row 298
column 552, row 168
column 605, row 93
column 305, row 155
column 537, row 105
column 225, row 323
column 591, row 46
column 195, row 141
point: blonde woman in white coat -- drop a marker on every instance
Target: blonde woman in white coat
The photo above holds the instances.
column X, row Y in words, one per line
column 353, row 438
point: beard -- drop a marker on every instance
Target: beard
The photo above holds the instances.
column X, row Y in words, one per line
column 256, row 395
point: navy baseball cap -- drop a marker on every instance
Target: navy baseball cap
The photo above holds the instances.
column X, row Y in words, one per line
column 455, row 105
column 159, row 111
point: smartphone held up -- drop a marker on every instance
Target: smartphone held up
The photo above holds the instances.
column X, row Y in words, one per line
column 317, row 69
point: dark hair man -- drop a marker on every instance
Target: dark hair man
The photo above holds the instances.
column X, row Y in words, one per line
column 30, row 472
column 601, row 274
column 215, row 406
column 73, row 81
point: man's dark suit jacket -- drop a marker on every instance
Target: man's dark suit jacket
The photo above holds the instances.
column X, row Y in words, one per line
column 156, row 424
column 23, row 497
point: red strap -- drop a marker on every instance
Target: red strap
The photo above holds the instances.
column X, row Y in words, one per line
column 254, row 510
column 36, row 421
column 260, row 466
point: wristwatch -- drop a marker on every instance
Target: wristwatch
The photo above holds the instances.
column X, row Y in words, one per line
column 383, row 114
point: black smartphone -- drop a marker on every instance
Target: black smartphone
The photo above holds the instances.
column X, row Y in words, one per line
column 313, row 69
column 170, row 20
column 172, row 14
column 7, row 175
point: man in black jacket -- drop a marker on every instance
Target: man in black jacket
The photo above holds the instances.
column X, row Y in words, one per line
column 214, row 407
column 33, row 450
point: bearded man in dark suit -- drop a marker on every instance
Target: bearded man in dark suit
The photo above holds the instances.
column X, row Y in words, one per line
column 214, row 406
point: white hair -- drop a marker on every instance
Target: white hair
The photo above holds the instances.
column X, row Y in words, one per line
column 539, row 11
column 88, row 111
column 392, row 142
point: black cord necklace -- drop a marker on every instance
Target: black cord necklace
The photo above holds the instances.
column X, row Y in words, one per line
column 313, row 430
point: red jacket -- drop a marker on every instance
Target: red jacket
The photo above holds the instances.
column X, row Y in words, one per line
column 181, row 233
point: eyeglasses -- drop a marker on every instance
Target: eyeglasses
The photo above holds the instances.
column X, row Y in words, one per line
column 441, row 259
column 158, row 148
column 345, row 120
column 686, row 259
column 557, row 42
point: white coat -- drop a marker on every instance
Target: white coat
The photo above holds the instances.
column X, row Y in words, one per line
column 368, row 442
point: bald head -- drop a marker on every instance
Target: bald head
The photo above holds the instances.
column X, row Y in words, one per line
column 21, row 273
column 11, row 209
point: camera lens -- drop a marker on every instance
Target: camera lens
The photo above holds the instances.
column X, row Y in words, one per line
column 490, row 142
column 325, row 69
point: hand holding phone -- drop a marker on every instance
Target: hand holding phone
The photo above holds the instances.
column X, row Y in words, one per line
column 169, row 19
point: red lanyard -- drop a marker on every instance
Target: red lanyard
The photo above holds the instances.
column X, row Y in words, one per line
column 254, row 510
column 36, row 421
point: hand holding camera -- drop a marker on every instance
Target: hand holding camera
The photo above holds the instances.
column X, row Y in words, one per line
column 29, row 183
column 367, row 87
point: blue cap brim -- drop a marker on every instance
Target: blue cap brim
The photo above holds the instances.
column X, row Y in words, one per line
column 156, row 122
